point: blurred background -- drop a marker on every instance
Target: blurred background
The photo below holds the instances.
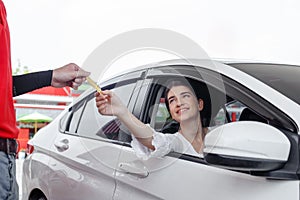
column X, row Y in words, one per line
column 47, row 34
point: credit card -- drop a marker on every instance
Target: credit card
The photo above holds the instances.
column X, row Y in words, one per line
column 93, row 84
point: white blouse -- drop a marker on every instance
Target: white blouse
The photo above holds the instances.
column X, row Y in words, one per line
column 164, row 144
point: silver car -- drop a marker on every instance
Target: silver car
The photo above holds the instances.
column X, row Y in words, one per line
column 251, row 151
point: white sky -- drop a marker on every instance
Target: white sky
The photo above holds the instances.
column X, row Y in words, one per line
column 50, row 33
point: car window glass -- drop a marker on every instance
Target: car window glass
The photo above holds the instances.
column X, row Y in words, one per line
column 94, row 125
column 75, row 119
column 69, row 121
column 283, row 78
column 63, row 122
column 230, row 112
column 162, row 114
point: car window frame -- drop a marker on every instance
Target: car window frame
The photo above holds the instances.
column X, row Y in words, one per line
column 217, row 81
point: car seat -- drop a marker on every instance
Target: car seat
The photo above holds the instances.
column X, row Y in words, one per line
column 249, row 115
column 170, row 126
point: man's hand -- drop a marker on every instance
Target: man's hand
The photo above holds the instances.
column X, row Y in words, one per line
column 69, row 75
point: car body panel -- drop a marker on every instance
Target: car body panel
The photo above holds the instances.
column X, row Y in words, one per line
column 54, row 171
column 173, row 178
column 75, row 168
column 35, row 166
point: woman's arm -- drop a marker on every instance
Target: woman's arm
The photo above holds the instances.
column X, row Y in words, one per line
column 109, row 104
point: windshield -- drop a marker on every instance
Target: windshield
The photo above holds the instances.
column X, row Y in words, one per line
column 283, row 78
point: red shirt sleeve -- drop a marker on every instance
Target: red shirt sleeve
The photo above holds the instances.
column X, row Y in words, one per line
column 8, row 128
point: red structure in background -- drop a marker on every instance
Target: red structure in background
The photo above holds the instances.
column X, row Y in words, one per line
column 66, row 91
column 233, row 116
column 52, row 96
column 23, row 138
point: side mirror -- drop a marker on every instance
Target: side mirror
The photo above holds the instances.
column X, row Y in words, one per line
column 246, row 146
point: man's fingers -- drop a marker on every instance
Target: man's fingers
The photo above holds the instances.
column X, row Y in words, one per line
column 79, row 80
column 76, row 83
column 73, row 85
column 82, row 73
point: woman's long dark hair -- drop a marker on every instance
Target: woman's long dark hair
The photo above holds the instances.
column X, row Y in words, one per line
column 200, row 90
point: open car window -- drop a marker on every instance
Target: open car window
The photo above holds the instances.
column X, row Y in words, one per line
column 234, row 107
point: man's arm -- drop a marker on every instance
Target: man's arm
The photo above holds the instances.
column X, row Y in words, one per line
column 28, row 82
column 69, row 75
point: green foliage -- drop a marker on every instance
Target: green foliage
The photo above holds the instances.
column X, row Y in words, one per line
column 21, row 70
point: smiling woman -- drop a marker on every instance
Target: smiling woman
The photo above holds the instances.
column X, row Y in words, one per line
column 184, row 106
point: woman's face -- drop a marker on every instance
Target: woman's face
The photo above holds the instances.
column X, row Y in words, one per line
column 183, row 104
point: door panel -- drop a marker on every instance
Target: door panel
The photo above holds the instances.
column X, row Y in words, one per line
column 84, row 157
column 173, row 178
column 86, row 169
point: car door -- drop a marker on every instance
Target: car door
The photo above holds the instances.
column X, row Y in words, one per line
column 84, row 156
column 183, row 176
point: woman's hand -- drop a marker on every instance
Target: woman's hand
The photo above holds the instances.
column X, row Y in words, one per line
column 109, row 103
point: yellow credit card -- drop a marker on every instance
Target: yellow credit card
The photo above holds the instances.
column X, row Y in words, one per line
column 93, row 84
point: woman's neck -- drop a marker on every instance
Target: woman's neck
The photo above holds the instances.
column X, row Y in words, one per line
column 194, row 133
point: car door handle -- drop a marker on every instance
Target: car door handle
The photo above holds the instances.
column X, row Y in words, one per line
column 134, row 170
column 62, row 145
